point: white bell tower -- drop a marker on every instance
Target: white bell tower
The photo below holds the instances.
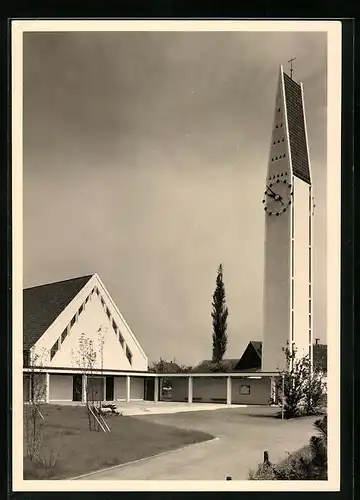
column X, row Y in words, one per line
column 288, row 211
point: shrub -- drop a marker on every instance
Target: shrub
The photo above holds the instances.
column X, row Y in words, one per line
column 300, row 390
column 308, row 464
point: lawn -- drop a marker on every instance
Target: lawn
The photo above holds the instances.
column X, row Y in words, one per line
column 76, row 450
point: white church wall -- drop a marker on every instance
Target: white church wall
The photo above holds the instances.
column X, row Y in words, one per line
column 302, row 319
column 277, row 283
column 276, row 292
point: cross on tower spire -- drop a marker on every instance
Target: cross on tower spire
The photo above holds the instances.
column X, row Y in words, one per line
column 291, row 66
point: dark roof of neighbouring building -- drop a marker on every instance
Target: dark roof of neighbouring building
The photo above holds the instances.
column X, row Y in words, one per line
column 297, row 134
column 319, row 353
column 257, row 345
column 251, row 357
column 42, row 305
column 206, row 365
column 320, row 356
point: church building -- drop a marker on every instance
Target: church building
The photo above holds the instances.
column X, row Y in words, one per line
column 288, row 207
column 76, row 337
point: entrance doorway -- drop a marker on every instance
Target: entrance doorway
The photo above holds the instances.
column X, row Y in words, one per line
column 149, row 389
column 109, row 392
column 77, row 387
column 95, row 389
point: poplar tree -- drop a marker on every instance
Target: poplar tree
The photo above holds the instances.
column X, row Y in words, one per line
column 219, row 318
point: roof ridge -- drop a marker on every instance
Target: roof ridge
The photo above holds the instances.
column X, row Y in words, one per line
column 61, row 281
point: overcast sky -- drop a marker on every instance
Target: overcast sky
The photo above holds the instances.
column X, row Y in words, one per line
column 145, row 158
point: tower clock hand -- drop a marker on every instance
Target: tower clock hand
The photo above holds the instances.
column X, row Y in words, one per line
column 273, row 193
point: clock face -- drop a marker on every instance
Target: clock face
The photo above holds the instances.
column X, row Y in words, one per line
column 278, row 195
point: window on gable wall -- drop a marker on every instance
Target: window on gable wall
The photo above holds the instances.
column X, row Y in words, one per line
column 72, row 322
column 128, row 354
column 54, row 349
column 108, row 313
column 121, row 339
column 64, row 335
column 114, row 325
column 81, row 309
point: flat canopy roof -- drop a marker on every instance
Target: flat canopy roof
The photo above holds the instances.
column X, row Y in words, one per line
column 70, row 371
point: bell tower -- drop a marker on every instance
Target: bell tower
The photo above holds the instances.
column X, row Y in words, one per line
column 288, row 211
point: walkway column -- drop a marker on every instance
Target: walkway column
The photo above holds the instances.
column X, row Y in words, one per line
column 273, row 390
column 83, row 389
column 190, row 390
column 47, row 387
column 156, row 391
column 228, row 390
column 104, row 388
column 128, row 388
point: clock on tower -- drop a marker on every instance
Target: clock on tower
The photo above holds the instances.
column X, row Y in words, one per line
column 287, row 203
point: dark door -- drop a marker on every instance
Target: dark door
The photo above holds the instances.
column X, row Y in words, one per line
column 95, row 389
column 149, row 389
column 26, row 388
column 109, row 396
column 77, row 387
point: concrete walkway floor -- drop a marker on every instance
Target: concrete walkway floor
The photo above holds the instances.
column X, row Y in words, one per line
column 160, row 408
column 243, row 436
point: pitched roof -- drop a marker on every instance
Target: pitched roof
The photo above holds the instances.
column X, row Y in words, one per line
column 257, row 345
column 297, row 134
column 43, row 304
column 251, row 357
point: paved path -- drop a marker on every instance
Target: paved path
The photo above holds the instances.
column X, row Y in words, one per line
column 243, row 435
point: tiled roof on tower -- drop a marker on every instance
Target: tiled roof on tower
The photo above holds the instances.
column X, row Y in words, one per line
column 296, row 125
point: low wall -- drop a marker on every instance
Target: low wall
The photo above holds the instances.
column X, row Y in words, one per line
column 213, row 390
column 120, row 388
column 137, row 388
column 251, row 391
column 179, row 391
column 209, row 390
column 61, row 387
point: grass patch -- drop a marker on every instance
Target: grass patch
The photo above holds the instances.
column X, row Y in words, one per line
column 69, row 449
